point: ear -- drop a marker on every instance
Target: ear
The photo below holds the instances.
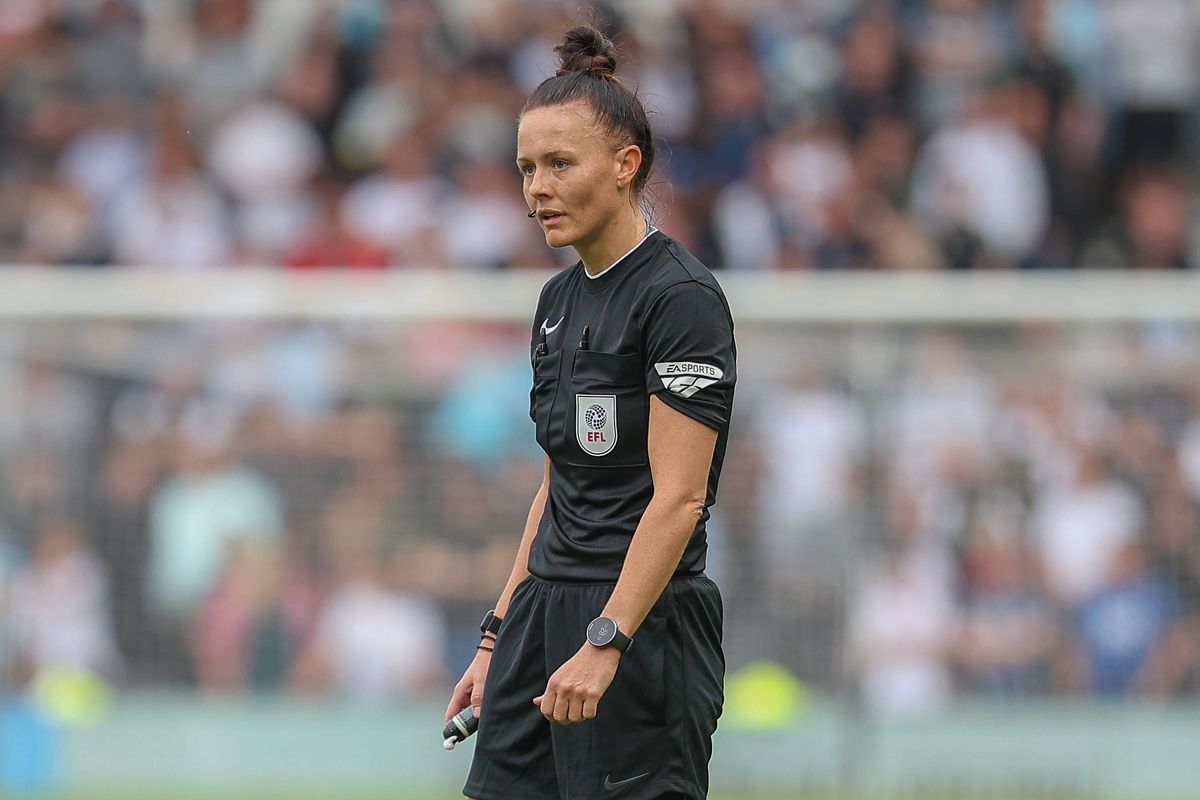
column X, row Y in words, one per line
column 627, row 160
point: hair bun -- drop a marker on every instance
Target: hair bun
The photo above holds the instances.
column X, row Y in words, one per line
column 585, row 49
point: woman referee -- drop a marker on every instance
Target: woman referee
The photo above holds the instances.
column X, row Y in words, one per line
column 600, row 671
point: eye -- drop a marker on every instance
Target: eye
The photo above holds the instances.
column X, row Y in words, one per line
column 525, row 169
column 560, row 164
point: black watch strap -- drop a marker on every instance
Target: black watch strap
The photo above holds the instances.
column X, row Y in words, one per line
column 490, row 623
column 604, row 632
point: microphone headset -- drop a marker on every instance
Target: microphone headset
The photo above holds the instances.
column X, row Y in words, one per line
column 531, row 214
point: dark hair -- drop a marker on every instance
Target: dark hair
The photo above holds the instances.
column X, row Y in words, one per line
column 587, row 71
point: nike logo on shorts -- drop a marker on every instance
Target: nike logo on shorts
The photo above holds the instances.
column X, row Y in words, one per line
column 610, row 784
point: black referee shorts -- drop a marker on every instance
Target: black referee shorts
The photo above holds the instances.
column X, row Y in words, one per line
column 652, row 735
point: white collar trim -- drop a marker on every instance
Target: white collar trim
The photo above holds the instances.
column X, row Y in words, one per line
column 606, row 270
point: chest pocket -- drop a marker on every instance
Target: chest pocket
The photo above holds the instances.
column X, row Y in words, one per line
column 608, row 411
column 545, row 388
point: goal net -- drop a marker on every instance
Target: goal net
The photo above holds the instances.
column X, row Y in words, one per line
column 939, row 491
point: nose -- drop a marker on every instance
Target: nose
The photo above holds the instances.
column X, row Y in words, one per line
column 538, row 184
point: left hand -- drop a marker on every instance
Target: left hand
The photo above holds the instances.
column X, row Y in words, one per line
column 574, row 690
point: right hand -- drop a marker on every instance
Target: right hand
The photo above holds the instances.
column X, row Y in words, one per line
column 469, row 688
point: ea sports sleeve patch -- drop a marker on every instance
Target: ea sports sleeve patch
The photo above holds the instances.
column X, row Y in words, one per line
column 688, row 339
column 685, row 378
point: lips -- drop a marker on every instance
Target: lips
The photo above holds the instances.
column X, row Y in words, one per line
column 549, row 216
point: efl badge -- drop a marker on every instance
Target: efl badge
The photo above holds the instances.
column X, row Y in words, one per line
column 596, row 423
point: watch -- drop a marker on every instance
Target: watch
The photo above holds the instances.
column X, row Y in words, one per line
column 603, row 632
column 490, row 623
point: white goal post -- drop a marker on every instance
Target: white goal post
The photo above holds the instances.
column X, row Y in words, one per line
column 32, row 293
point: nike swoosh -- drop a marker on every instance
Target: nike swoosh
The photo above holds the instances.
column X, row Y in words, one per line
column 610, row 784
column 553, row 328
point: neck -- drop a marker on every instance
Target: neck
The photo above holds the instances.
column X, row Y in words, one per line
column 613, row 241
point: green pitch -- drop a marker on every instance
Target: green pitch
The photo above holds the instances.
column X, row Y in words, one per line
column 452, row 795
column 391, row 796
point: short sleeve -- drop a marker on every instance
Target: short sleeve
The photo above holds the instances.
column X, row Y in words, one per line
column 690, row 357
column 535, row 329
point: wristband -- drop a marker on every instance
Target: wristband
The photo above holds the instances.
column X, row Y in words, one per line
column 490, row 623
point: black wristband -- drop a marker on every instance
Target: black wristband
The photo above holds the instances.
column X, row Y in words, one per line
column 490, row 623
column 485, row 647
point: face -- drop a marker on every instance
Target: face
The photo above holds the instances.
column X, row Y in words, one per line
column 572, row 176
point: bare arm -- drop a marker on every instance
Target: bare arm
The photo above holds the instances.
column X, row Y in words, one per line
column 469, row 688
column 681, row 451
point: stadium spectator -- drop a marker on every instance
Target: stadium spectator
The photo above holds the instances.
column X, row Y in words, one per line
column 745, row 225
column 978, row 178
column 216, row 58
column 128, row 474
column 957, row 46
column 372, row 645
column 265, row 155
column 329, row 242
column 1174, row 552
column 174, row 217
column 1152, row 81
column 902, row 622
column 397, row 207
column 11, row 557
column 811, row 436
column 1123, row 627
column 206, row 501
column 57, row 607
column 249, row 630
column 485, row 192
column 1008, row 625
column 376, row 639
column 938, row 423
column 51, row 407
column 877, row 72
column 1010, row 96
column 1152, row 230
column 1081, row 526
column 478, row 419
column 35, row 485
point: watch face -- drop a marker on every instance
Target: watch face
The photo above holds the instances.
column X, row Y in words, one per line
column 602, row 631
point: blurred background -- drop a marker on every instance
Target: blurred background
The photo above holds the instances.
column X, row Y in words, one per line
column 265, row 286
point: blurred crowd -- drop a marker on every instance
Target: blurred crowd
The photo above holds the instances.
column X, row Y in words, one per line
column 825, row 134
column 328, row 509
column 1009, row 515
column 250, row 507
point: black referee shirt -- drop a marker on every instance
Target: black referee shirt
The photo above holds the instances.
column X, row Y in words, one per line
column 656, row 322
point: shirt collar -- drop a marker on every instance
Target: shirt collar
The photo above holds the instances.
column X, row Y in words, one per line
column 608, row 269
